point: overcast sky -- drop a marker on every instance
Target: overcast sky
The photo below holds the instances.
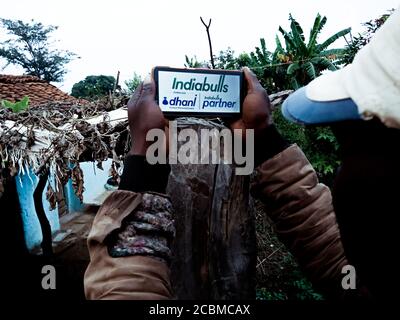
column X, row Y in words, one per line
column 133, row 36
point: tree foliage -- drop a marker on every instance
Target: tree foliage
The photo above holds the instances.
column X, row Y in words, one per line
column 133, row 83
column 192, row 62
column 294, row 62
column 356, row 43
column 93, row 87
column 306, row 60
column 318, row 143
column 28, row 45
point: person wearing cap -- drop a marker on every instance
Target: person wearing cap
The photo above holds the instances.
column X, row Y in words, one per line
column 129, row 243
column 361, row 103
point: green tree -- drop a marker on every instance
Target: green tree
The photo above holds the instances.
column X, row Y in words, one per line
column 193, row 62
column 305, row 60
column 93, row 87
column 295, row 63
column 29, row 46
column 226, row 60
column 133, row 83
column 318, row 143
column 265, row 65
column 356, row 43
column 292, row 64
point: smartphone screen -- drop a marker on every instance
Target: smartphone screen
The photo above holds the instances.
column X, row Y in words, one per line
column 199, row 92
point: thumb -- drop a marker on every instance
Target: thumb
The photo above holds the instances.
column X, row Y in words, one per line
column 135, row 96
column 149, row 87
column 251, row 79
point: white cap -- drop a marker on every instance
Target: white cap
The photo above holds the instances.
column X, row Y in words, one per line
column 371, row 83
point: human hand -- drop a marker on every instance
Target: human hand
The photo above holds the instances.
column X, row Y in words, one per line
column 256, row 111
column 144, row 114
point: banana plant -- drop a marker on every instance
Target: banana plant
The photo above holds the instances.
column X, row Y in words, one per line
column 305, row 60
column 16, row 106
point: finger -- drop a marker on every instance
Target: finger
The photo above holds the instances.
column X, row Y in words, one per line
column 149, row 87
column 251, row 79
column 136, row 95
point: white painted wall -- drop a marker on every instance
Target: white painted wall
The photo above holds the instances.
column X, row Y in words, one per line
column 94, row 181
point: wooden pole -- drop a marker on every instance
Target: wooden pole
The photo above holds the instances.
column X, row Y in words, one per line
column 47, row 242
column 215, row 246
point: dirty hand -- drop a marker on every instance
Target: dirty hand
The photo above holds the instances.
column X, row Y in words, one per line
column 256, row 111
column 144, row 114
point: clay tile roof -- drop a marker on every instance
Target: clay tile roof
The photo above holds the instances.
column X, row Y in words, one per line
column 14, row 88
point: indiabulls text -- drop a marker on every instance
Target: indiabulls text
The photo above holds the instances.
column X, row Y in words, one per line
column 201, row 86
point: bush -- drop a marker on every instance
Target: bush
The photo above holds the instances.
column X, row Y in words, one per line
column 278, row 275
column 318, row 143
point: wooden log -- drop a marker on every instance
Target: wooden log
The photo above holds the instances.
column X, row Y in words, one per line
column 47, row 241
column 232, row 240
column 214, row 250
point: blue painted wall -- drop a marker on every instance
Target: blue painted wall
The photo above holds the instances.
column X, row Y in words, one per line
column 94, row 180
column 73, row 202
column 26, row 184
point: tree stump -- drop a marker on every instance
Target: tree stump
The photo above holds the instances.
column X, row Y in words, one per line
column 215, row 245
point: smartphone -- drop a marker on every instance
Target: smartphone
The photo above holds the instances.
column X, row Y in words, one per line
column 199, row 92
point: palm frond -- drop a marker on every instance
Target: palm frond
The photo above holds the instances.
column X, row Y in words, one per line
column 263, row 55
column 297, row 36
column 332, row 39
column 278, row 50
column 260, row 56
column 310, row 70
column 292, row 68
column 315, row 31
column 296, row 28
column 294, row 84
column 290, row 45
column 263, row 46
column 253, row 56
column 278, row 44
column 324, row 63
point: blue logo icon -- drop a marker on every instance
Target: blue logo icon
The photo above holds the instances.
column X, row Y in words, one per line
column 165, row 101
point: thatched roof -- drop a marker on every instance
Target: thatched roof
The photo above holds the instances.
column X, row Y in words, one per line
column 57, row 135
column 14, row 88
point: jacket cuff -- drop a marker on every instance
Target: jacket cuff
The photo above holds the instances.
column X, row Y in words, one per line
column 140, row 176
column 268, row 144
column 149, row 230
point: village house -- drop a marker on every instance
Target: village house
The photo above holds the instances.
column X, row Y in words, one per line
column 13, row 88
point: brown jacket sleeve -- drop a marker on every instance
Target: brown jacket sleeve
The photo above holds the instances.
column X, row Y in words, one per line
column 301, row 209
column 123, row 278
